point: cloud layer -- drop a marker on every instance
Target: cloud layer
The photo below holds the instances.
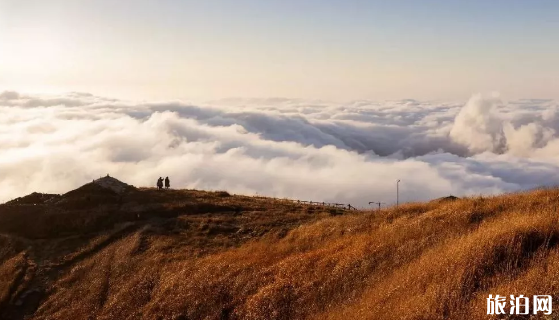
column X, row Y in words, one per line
column 309, row 150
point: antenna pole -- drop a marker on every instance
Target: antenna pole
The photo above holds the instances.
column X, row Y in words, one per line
column 397, row 193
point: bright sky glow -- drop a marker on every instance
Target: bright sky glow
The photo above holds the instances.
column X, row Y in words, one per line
column 333, row 49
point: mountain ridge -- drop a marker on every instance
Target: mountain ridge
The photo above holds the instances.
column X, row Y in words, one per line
column 188, row 254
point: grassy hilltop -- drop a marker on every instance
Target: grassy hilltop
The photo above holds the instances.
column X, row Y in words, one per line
column 94, row 253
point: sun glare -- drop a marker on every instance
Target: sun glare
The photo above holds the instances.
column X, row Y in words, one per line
column 32, row 50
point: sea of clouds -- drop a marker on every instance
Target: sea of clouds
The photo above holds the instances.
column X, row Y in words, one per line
column 309, row 150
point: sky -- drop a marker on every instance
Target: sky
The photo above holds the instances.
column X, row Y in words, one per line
column 307, row 49
column 315, row 100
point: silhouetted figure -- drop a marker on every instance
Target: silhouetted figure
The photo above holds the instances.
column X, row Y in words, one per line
column 159, row 183
column 167, row 183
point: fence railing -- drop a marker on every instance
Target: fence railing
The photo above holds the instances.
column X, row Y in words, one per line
column 345, row 206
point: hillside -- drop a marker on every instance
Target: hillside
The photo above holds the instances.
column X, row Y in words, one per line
column 102, row 252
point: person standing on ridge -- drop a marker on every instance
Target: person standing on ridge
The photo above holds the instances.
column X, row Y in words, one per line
column 159, row 183
column 167, row 183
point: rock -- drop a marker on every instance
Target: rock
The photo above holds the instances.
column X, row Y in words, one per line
column 113, row 184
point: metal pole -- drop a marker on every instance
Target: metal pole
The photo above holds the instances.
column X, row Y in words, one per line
column 397, row 193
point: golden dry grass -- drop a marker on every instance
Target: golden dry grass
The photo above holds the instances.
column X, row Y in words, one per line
column 11, row 271
column 204, row 255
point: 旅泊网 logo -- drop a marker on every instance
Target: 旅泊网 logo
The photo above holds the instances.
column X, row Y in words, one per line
column 519, row 305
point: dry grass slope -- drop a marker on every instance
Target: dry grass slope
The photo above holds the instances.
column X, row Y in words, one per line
column 201, row 255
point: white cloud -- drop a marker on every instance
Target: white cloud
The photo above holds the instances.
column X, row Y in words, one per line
column 311, row 150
